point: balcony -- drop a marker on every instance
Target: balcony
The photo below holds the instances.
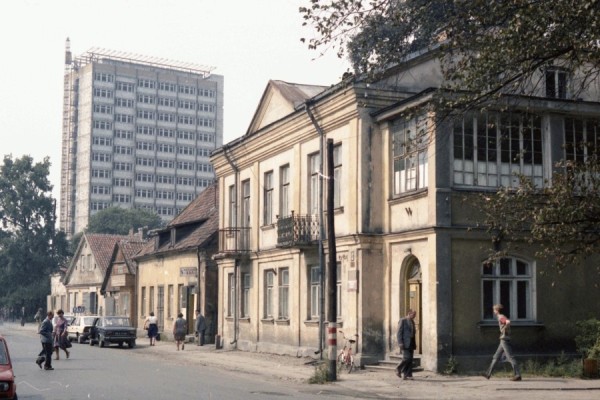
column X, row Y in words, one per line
column 297, row 231
column 234, row 242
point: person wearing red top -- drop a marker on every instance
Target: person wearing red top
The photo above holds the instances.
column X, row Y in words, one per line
column 504, row 347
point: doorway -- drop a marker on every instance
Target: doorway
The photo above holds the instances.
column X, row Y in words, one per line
column 414, row 298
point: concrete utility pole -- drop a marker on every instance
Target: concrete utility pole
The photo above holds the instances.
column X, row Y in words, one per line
column 331, row 270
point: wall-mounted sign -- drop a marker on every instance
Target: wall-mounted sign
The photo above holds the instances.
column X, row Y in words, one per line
column 188, row 271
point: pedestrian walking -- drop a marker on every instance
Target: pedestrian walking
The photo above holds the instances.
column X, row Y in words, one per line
column 45, row 356
column 151, row 325
column 61, row 340
column 179, row 331
column 39, row 315
column 408, row 344
column 504, row 348
column 200, row 328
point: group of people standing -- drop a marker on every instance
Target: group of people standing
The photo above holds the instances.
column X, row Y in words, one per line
column 406, row 340
column 179, row 329
column 53, row 336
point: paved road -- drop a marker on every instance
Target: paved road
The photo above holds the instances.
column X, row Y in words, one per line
column 161, row 372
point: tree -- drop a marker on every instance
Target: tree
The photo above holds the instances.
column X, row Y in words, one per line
column 119, row 221
column 562, row 219
column 486, row 48
column 30, row 246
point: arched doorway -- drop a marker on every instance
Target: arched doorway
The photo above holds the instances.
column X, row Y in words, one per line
column 413, row 297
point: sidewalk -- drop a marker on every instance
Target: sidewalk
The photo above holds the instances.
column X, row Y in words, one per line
column 365, row 384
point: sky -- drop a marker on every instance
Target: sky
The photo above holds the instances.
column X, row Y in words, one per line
column 248, row 42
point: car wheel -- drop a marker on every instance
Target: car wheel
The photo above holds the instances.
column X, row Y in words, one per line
column 131, row 344
column 120, row 344
column 79, row 339
column 101, row 341
column 91, row 341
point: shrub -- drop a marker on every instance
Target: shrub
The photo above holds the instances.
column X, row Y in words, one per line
column 320, row 375
column 588, row 338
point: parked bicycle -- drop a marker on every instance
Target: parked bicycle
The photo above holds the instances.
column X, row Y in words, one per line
column 345, row 359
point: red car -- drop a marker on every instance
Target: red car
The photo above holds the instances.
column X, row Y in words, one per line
column 8, row 387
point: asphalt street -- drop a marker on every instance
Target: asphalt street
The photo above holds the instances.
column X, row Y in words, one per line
column 162, row 372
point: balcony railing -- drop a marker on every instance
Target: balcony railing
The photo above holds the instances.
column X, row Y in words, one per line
column 234, row 241
column 297, row 231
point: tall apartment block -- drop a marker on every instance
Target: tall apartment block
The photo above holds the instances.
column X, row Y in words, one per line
column 137, row 133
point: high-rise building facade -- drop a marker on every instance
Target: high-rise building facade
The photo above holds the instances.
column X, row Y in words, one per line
column 137, row 133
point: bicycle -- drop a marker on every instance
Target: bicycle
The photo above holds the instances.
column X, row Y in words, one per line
column 345, row 359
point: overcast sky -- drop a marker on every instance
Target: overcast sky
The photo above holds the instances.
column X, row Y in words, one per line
column 247, row 41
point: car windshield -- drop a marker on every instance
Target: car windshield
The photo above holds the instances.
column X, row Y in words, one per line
column 3, row 353
column 117, row 321
column 88, row 321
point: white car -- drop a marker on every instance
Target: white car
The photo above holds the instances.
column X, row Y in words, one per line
column 79, row 329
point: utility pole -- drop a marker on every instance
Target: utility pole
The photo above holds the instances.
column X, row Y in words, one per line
column 331, row 270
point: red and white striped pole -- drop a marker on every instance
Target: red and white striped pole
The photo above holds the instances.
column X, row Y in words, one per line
column 332, row 350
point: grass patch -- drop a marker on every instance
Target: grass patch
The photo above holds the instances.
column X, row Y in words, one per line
column 320, row 374
column 561, row 366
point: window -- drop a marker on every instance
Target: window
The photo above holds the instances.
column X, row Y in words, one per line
column 98, row 205
column 269, row 288
column 167, row 86
column 203, row 182
column 143, row 301
column 246, row 295
column 161, row 194
column 103, row 93
column 204, row 167
column 103, row 77
column 123, row 150
column 145, row 130
column 145, row 146
column 232, row 206
column 245, row 211
column 122, row 134
column 206, row 107
column 145, row 99
column 489, row 148
column 186, row 150
column 581, row 139
column 124, row 182
column 337, row 176
column 144, row 193
column 102, row 157
column 180, row 298
column 101, row 173
column 209, row 123
column 185, row 181
column 315, row 290
column 122, row 166
column 144, row 178
column 102, row 125
column 145, row 114
column 166, row 148
column 556, row 83
column 124, row 102
column 101, row 189
column 206, row 137
column 166, row 117
column 409, row 143
column 164, row 132
column 125, row 86
column 165, row 179
column 181, row 196
column 187, row 135
column 187, row 89
column 186, row 119
column 314, row 164
column 284, row 191
column 206, row 92
column 187, row 105
column 103, row 109
column 204, row 152
column 231, row 294
column 102, row 141
column 166, row 102
column 151, row 299
column 165, row 163
column 165, row 211
column 121, row 198
column 508, row 281
column 171, row 298
column 146, row 162
column 268, row 198
column 284, row 293
column 146, row 83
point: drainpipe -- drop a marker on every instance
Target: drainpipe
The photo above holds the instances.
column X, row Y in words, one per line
column 237, row 263
column 321, row 230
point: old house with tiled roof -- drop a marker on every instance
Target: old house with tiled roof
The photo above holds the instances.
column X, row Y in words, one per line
column 118, row 287
column 176, row 272
column 86, row 272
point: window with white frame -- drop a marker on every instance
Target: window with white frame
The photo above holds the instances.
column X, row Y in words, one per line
column 246, row 283
column 556, row 82
column 314, row 165
column 168, row 179
column 104, row 77
column 171, row 298
column 145, row 130
column 231, row 295
column 122, row 166
column 284, row 293
column 124, row 118
column 143, row 301
column 167, row 86
column 582, row 139
column 123, row 150
column 337, row 176
column 508, row 281
column 410, row 138
column 490, row 148
column 185, row 181
column 314, row 294
column 123, row 134
column 269, row 293
column 284, row 191
column 268, row 198
column 125, row 87
column 102, row 141
column 101, row 189
column 121, row 102
column 232, row 206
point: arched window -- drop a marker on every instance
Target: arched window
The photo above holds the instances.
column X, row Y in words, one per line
column 508, row 281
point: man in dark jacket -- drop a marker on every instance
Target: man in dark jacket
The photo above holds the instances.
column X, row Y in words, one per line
column 407, row 343
column 200, row 328
column 47, row 340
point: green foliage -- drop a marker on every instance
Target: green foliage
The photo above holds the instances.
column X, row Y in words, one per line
column 486, row 47
column 451, row 366
column 562, row 219
column 321, row 374
column 588, row 338
column 118, row 221
column 30, row 247
column 559, row 367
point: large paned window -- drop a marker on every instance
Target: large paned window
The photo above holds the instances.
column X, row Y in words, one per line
column 315, row 289
column 337, row 176
column 268, row 198
column 314, row 165
column 508, row 281
column 246, row 295
column 410, row 138
column 556, row 82
column 269, row 293
column 232, row 206
column 171, row 295
column 284, row 191
column 284, row 293
column 230, row 295
column 151, row 299
column 490, row 148
column 144, row 301
column 582, row 139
